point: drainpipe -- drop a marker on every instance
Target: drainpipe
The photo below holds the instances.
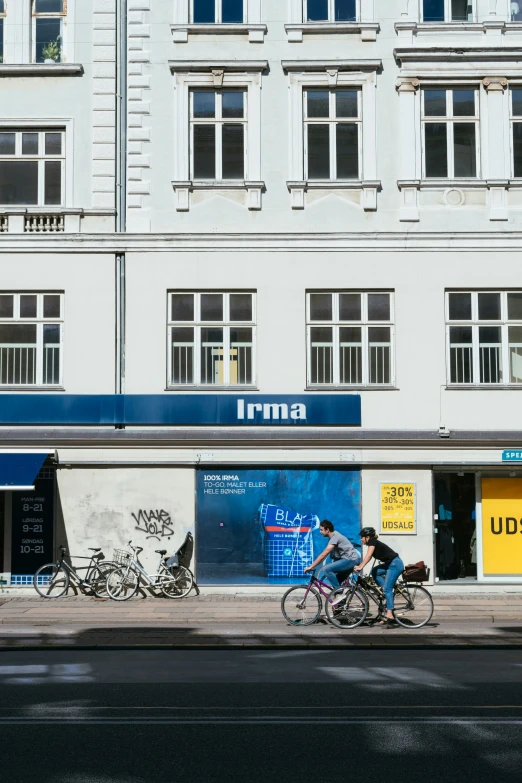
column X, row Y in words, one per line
column 121, row 186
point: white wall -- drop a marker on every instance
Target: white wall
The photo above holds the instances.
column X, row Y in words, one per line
column 98, row 504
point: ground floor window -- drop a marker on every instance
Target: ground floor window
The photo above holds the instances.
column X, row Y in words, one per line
column 261, row 526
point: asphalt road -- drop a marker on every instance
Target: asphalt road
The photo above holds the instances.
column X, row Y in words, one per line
column 261, row 716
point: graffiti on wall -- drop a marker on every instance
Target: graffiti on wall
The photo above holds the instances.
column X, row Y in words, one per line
column 155, row 523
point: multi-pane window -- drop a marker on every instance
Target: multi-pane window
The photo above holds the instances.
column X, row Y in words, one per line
column 2, row 16
column 450, row 130
column 484, row 333
column 218, row 134
column 516, row 130
column 332, row 134
column 447, row 10
column 350, row 338
column 330, row 10
column 218, row 11
column 48, row 18
column 516, row 10
column 30, row 339
column 211, row 338
column 32, row 166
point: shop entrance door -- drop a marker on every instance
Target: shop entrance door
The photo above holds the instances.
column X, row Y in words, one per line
column 455, row 527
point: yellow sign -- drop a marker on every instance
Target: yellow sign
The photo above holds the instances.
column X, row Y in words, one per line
column 502, row 526
column 398, row 508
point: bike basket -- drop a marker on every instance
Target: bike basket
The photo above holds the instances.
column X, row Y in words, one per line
column 416, row 572
column 173, row 562
column 121, row 556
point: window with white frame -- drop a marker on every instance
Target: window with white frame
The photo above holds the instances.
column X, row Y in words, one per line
column 48, row 16
column 350, row 338
column 330, row 10
column 211, row 338
column 516, row 10
column 2, row 17
column 484, row 337
column 218, row 134
column 516, row 130
column 450, row 120
column 32, row 164
column 447, row 10
column 332, row 142
column 31, row 339
column 217, row 11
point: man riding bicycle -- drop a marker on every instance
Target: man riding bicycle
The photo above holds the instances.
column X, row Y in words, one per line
column 343, row 554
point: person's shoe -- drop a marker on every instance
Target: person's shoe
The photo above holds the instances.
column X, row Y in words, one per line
column 338, row 599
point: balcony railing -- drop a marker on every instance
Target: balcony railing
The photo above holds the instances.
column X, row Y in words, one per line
column 18, row 365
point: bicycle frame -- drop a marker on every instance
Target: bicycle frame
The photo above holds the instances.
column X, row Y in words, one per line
column 73, row 572
column 152, row 580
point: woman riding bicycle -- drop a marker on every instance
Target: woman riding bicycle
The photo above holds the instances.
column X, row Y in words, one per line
column 343, row 554
column 387, row 572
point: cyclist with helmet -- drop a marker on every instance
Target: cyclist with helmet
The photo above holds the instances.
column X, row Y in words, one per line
column 387, row 572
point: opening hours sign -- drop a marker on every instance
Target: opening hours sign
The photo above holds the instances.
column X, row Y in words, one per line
column 398, row 509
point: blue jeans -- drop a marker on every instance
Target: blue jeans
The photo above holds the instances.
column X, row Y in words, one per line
column 331, row 570
column 386, row 574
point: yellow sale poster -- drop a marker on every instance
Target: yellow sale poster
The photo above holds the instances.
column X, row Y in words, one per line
column 398, row 507
column 502, row 526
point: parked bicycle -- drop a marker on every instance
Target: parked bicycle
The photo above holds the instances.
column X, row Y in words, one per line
column 303, row 604
column 52, row 580
column 123, row 581
column 413, row 603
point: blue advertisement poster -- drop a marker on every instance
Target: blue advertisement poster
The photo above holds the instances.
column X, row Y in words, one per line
column 261, row 526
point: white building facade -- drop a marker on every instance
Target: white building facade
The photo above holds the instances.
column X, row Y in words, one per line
column 260, row 267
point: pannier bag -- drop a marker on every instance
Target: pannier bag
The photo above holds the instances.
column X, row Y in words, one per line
column 416, row 572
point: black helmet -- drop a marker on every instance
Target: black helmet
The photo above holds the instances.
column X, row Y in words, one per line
column 369, row 532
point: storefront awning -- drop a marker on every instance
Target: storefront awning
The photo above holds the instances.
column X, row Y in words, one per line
column 18, row 470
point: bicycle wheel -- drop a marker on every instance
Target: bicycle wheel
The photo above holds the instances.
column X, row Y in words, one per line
column 350, row 612
column 413, row 606
column 97, row 580
column 122, row 584
column 51, row 581
column 176, row 583
column 301, row 605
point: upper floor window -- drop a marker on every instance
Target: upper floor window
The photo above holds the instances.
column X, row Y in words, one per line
column 332, row 143
column 350, row 338
column 330, row 10
column 2, row 16
column 484, row 334
column 30, row 339
column 450, row 132
column 516, row 10
column 211, row 338
column 32, row 166
column 217, row 11
column 48, row 18
column 447, row 10
column 218, row 125
column 516, row 130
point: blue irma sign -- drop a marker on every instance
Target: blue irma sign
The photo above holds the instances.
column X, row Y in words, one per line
column 181, row 409
column 513, row 455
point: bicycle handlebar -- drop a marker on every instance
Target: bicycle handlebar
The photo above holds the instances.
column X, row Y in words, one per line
column 136, row 549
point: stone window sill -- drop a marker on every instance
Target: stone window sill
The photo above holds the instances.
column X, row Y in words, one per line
column 454, row 195
column 484, row 387
column 368, row 30
column 368, row 189
column 491, row 27
column 41, row 69
column 211, row 388
column 253, row 191
column 344, row 389
column 18, row 220
column 256, row 32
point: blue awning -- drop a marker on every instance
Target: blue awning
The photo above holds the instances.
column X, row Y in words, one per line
column 18, row 470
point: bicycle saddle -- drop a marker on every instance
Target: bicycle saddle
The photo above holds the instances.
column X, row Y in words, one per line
column 95, row 549
column 161, row 551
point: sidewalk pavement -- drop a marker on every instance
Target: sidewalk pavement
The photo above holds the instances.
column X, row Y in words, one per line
column 232, row 621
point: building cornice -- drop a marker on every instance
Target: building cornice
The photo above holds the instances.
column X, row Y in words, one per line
column 207, row 66
column 372, row 242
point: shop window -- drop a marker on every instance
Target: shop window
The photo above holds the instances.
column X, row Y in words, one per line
column 350, row 338
column 330, row 10
column 455, row 526
column 332, row 134
column 48, row 16
column 31, row 167
column 516, row 130
column 218, row 11
column 218, row 129
column 450, row 132
column 484, row 337
column 31, row 339
column 447, row 10
column 211, row 338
